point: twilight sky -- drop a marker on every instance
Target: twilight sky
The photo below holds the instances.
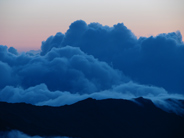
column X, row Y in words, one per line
column 24, row 24
column 90, row 59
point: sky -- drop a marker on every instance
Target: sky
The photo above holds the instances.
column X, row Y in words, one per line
column 59, row 52
column 24, row 24
column 96, row 49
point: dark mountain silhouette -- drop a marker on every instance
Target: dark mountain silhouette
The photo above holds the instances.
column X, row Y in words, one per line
column 110, row 118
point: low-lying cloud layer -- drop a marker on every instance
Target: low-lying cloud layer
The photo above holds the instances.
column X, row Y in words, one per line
column 18, row 134
column 95, row 61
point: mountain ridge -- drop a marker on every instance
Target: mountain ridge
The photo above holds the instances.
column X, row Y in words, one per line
column 91, row 118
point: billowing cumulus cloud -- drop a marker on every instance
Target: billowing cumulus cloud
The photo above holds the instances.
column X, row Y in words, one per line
column 91, row 60
column 52, row 41
column 13, row 50
column 154, row 60
column 65, row 69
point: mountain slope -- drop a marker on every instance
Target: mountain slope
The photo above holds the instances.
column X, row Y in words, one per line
column 93, row 119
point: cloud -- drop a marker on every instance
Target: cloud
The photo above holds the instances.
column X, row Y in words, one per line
column 40, row 95
column 19, row 134
column 13, row 50
column 153, row 60
column 65, row 69
column 69, row 69
column 52, row 41
column 92, row 60
column 11, row 59
column 6, row 75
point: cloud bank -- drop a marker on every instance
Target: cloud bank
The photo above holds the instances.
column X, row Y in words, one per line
column 19, row 134
column 91, row 60
column 155, row 60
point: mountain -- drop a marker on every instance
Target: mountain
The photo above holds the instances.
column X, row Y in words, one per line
column 90, row 118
